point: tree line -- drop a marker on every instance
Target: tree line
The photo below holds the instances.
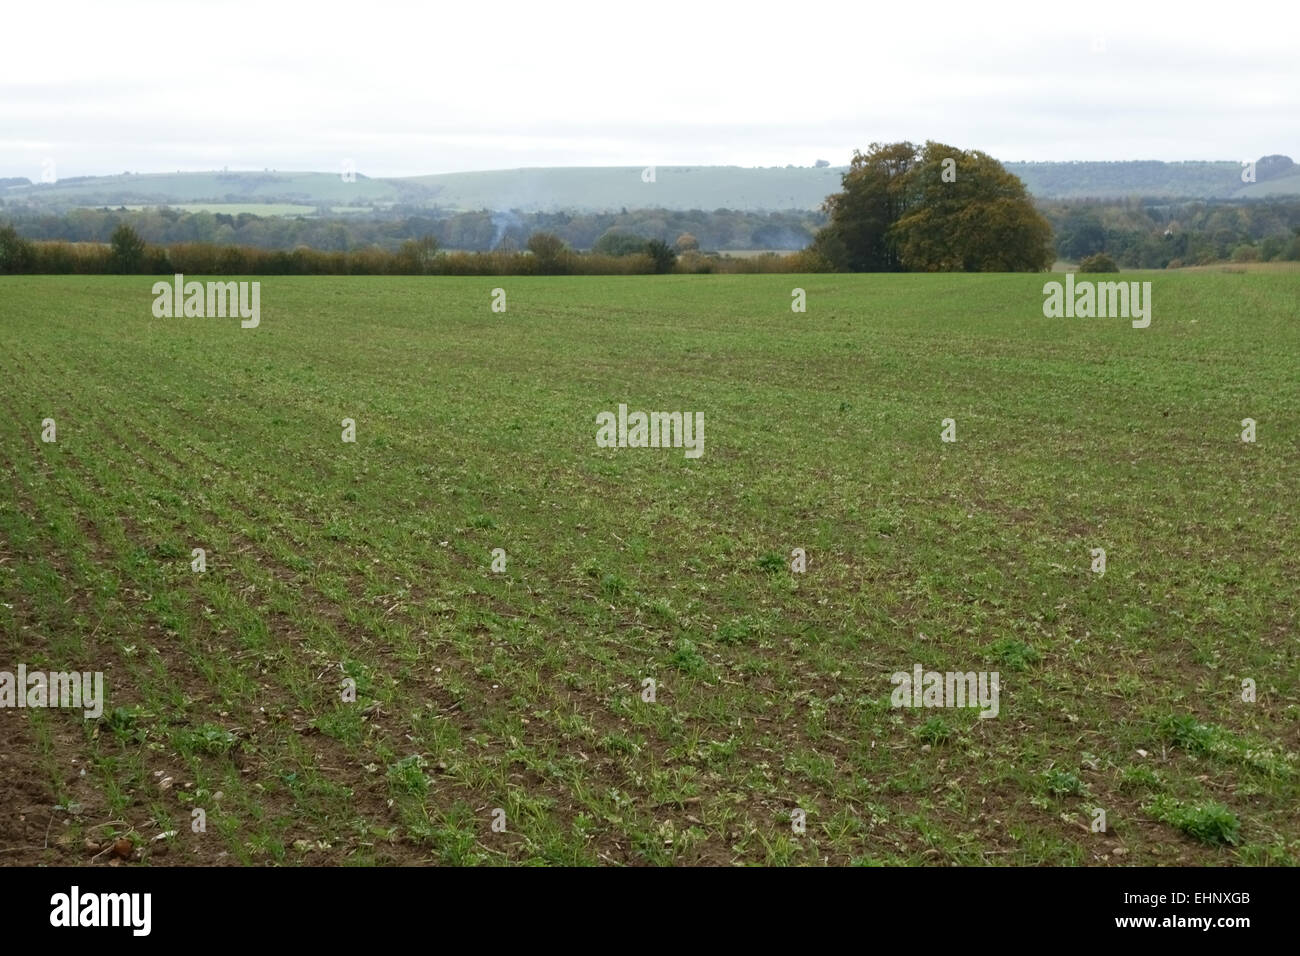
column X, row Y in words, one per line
column 127, row 253
column 901, row 208
column 1148, row 178
column 1157, row 235
column 480, row 231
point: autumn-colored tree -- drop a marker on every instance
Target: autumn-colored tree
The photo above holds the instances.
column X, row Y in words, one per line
column 857, row 237
column 551, row 252
column 966, row 213
column 687, row 243
column 416, row 256
column 932, row 209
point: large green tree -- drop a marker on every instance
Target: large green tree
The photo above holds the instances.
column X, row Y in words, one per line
column 858, row 236
column 932, row 209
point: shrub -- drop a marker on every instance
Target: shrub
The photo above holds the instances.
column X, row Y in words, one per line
column 551, row 253
column 415, row 256
column 695, row 263
column 158, row 262
column 16, row 253
column 662, row 255
column 126, row 251
column 1099, row 262
column 809, row 260
column 1271, row 248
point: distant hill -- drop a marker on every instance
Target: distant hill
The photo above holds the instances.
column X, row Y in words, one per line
column 577, row 188
column 603, row 188
column 606, row 188
column 1274, row 176
column 216, row 187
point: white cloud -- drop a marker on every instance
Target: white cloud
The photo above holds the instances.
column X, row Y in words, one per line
column 407, row 88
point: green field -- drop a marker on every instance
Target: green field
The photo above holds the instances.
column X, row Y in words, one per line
column 522, row 690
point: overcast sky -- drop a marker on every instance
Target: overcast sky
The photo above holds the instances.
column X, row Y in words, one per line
column 409, row 88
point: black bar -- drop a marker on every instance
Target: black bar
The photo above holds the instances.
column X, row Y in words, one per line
column 350, row 905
